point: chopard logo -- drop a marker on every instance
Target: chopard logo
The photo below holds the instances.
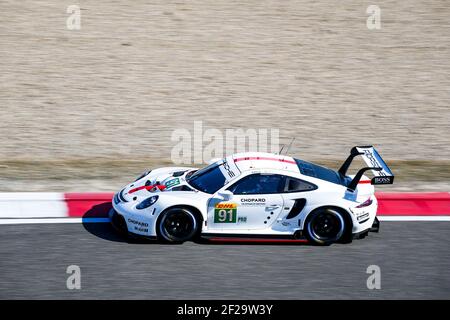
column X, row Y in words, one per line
column 253, row 200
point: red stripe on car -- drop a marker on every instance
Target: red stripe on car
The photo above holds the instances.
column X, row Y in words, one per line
column 257, row 240
column 264, row 158
column 159, row 186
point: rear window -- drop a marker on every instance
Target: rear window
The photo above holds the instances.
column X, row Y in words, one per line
column 296, row 185
column 315, row 171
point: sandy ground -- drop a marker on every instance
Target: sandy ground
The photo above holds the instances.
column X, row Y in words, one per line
column 101, row 100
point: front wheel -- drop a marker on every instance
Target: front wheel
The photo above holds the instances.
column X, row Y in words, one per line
column 325, row 226
column 177, row 225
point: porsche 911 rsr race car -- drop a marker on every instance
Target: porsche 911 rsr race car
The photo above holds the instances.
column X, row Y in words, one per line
column 258, row 195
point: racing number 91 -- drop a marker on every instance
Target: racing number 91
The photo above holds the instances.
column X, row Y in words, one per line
column 225, row 213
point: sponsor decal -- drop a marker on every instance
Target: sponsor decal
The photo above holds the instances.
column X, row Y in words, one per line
column 259, row 200
column 362, row 215
column 242, row 219
column 374, row 162
column 225, row 212
column 227, row 168
column 382, row 180
column 140, row 229
column 138, row 225
column 253, row 201
column 173, row 182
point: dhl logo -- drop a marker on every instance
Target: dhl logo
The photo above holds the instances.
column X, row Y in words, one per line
column 226, row 206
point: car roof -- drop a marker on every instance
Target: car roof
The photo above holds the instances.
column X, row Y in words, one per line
column 262, row 160
column 240, row 163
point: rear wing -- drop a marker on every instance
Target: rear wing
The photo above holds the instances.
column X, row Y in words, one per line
column 382, row 173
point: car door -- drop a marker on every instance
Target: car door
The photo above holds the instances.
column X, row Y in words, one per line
column 256, row 203
column 296, row 196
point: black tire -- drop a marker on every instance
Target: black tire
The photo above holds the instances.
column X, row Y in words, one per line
column 177, row 225
column 118, row 223
column 325, row 226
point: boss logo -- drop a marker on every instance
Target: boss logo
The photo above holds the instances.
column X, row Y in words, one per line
column 382, row 180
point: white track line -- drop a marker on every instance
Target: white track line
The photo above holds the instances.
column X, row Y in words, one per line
column 106, row 220
column 53, row 220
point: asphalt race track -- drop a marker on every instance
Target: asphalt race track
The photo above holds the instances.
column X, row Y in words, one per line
column 414, row 258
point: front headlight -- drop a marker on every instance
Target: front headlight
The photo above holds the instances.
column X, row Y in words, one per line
column 147, row 203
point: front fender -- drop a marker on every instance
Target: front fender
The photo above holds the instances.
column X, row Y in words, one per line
column 196, row 200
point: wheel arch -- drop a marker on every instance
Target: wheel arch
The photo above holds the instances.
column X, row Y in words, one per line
column 196, row 211
column 346, row 215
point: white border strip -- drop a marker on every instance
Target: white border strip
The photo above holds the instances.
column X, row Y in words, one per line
column 53, row 220
column 33, row 205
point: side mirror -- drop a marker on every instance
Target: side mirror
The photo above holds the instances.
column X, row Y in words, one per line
column 225, row 195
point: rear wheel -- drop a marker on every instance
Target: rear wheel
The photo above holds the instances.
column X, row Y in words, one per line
column 325, row 226
column 177, row 225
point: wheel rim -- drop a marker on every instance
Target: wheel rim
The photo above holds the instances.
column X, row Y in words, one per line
column 178, row 225
column 326, row 226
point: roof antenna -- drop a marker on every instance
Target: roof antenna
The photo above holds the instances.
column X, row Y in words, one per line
column 282, row 147
column 289, row 147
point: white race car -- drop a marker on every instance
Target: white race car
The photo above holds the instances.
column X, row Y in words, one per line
column 254, row 195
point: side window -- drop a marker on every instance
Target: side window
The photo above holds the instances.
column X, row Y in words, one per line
column 259, row 184
column 297, row 185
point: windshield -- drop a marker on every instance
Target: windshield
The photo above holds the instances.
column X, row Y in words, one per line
column 209, row 179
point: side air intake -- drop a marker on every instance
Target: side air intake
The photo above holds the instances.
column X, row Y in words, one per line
column 296, row 208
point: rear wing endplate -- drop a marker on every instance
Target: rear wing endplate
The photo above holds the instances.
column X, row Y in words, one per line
column 382, row 173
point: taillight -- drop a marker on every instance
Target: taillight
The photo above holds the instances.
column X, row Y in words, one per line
column 366, row 203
